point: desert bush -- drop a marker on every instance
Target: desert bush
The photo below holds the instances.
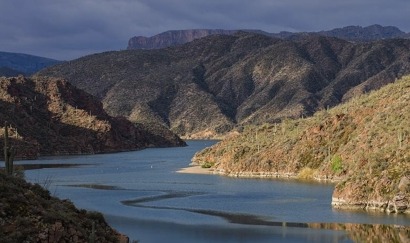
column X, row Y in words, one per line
column 306, row 174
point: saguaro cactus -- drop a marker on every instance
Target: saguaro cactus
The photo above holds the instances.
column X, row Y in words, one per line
column 9, row 151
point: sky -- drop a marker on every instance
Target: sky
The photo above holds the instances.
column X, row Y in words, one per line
column 69, row 29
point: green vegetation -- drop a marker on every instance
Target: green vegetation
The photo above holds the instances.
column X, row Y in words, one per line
column 207, row 165
column 337, row 164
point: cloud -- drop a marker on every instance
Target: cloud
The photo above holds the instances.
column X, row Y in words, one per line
column 67, row 29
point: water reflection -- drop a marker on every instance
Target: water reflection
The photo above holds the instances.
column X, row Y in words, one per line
column 369, row 232
column 356, row 232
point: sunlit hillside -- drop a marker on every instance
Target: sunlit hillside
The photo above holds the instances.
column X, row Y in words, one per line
column 363, row 144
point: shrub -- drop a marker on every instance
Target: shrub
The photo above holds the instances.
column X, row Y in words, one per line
column 306, row 173
column 336, row 164
column 207, row 165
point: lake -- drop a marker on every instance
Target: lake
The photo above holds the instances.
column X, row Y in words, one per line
column 141, row 195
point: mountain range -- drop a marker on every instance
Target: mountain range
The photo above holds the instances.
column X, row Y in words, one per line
column 349, row 33
column 12, row 64
column 211, row 85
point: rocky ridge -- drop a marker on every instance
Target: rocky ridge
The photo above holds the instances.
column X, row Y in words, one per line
column 349, row 33
column 369, row 33
column 173, row 38
column 212, row 85
column 363, row 145
column 51, row 117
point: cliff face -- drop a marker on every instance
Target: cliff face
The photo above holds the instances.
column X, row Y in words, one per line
column 50, row 117
column 363, row 144
column 207, row 87
column 29, row 214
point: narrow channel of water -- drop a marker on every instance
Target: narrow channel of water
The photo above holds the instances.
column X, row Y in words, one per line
column 141, row 195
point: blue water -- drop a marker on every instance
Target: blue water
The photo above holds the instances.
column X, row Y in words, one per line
column 141, row 195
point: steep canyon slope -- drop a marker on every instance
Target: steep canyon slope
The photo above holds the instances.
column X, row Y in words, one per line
column 363, row 144
column 50, row 117
column 209, row 86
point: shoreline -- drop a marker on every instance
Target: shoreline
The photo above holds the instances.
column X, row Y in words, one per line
column 195, row 169
column 336, row 203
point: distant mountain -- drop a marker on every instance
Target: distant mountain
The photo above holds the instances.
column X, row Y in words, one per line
column 8, row 72
column 370, row 33
column 23, row 63
column 173, row 38
column 52, row 117
column 350, row 33
column 211, row 85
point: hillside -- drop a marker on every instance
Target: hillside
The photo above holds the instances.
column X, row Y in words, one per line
column 173, row 38
column 51, row 117
column 363, row 144
column 8, row 72
column 349, row 33
column 29, row 214
column 209, row 86
column 23, row 63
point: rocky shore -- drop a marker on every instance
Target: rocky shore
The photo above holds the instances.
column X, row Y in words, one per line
column 363, row 146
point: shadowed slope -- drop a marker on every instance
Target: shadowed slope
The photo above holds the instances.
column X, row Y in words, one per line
column 50, row 116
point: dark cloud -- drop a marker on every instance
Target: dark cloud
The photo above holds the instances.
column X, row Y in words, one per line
column 67, row 29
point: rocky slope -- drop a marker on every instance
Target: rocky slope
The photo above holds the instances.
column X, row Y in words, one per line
column 29, row 214
column 23, row 63
column 363, row 144
column 50, row 117
column 350, row 33
column 211, row 85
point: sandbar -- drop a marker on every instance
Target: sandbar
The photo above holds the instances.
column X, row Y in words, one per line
column 196, row 169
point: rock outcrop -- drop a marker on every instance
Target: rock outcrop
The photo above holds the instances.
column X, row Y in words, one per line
column 209, row 86
column 52, row 117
